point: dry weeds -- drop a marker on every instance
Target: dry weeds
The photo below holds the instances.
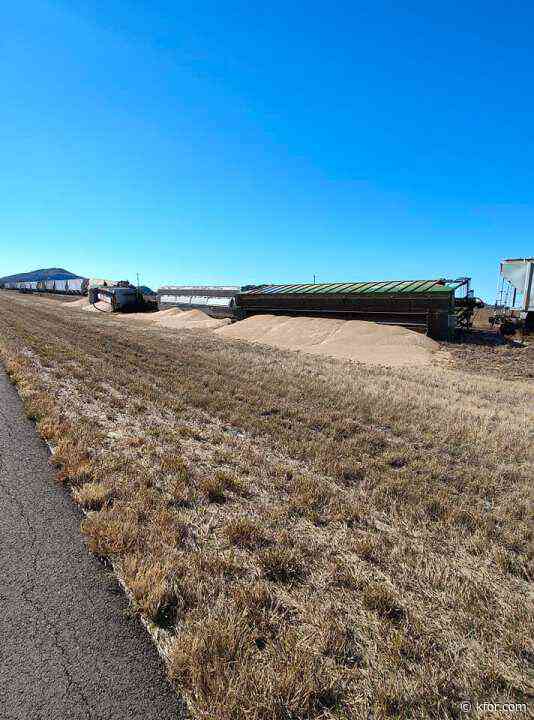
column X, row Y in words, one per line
column 316, row 539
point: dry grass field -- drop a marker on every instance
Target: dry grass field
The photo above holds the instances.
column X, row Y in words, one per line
column 307, row 538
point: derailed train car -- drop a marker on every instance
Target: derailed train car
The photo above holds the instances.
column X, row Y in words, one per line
column 121, row 296
column 429, row 306
column 214, row 300
column 435, row 307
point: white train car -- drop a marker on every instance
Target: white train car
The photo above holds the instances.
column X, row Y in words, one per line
column 55, row 284
column 214, row 300
column 77, row 286
column 61, row 286
column 67, row 286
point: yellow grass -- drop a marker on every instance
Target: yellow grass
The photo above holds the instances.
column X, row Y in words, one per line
column 314, row 538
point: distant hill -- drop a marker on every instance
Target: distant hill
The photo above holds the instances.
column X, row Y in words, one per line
column 36, row 275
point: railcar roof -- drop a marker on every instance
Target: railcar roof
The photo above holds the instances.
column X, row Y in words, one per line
column 375, row 287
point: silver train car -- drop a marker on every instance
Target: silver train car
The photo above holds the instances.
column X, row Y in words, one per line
column 214, row 300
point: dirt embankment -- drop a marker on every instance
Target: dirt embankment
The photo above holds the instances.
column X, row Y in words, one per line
column 358, row 340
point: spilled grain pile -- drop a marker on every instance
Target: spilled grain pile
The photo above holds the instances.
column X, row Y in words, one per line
column 80, row 303
column 149, row 318
column 191, row 319
column 357, row 340
column 99, row 306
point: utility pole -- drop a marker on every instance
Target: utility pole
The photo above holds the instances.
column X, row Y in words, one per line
column 314, row 278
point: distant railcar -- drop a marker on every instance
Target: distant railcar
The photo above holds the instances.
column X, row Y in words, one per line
column 63, row 286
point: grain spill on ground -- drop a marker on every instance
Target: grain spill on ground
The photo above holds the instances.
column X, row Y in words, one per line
column 192, row 319
column 100, row 306
column 357, row 340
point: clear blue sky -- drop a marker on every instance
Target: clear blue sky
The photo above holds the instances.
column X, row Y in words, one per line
column 246, row 142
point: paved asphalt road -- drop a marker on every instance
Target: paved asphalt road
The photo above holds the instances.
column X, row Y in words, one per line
column 68, row 651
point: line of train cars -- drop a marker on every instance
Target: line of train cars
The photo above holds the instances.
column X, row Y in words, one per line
column 437, row 307
column 61, row 284
column 121, row 295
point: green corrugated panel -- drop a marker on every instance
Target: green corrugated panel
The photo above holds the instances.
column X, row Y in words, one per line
column 315, row 288
column 419, row 286
column 405, row 287
column 322, row 288
column 362, row 287
column 381, row 287
column 342, row 288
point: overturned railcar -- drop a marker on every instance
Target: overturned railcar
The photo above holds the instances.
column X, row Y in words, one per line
column 120, row 298
column 217, row 301
column 123, row 297
column 429, row 306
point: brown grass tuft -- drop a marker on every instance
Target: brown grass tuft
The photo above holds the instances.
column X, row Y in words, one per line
column 150, row 582
column 245, row 533
column 74, row 460
column 382, row 600
column 213, row 489
column 92, row 495
column 112, row 532
column 282, row 564
column 229, row 676
column 308, row 498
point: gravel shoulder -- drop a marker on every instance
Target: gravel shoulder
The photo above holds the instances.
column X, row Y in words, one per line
column 69, row 648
